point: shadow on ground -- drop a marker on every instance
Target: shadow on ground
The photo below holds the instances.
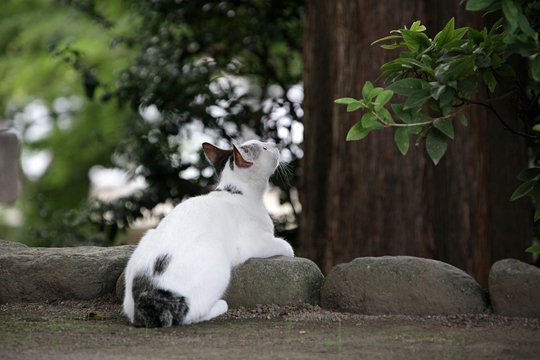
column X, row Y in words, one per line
column 96, row 330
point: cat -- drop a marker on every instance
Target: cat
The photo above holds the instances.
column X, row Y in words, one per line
column 180, row 270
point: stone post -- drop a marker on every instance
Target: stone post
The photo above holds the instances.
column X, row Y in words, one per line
column 9, row 166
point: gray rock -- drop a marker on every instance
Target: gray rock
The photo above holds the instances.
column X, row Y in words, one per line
column 401, row 285
column 514, row 288
column 279, row 280
column 9, row 166
column 44, row 274
column 6, row 245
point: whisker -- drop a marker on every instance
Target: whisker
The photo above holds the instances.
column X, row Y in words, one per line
column 285, row 173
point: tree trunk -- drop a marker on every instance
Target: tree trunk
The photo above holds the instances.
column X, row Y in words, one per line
column 363, row 198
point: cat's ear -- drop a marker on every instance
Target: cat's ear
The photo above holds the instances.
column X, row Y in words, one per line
column 217, row 157
column 239, row 159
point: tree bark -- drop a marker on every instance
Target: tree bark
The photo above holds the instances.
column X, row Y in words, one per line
column 363, row 198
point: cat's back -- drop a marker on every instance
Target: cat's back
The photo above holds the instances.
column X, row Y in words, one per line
column 201, row 209
column 205, row 216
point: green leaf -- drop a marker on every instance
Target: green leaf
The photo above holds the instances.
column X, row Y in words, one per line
column 445, row 126
column 536, row 127
column 462, row 66
column 490, row 80
column 525, row 26
column 404, row 115
column 535, row 249
column 368, row 86
column 475, row 5
column 436, row 145
column 346, row 100
column 437, row 90
column 392, row 46
column 385, row 114
column 446, row 98
column 401, row 137
column 416, row 99
column 369, row 122
column 529, row 174
column 375, row 92
column 445, row 34
column 382, row 99
column 476, row 36
column 520, row 44
column 406, row 86
column 535, row 67
column 355, row 106
column 463, row 120
column 458, row 34
column 415, row 41
column 511, row 13
column 357, row 132
column 537, row 214
column 389, row 37
column 417, row 26
column 523, row 189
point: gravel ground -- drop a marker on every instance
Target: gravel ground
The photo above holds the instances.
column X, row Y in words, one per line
column 96, row 329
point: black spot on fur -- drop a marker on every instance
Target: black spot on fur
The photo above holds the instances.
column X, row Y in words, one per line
column 231, row 163
column 156, row 307
column 231, row 189
column 161, row 263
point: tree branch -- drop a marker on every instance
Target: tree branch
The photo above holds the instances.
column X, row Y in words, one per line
column 501, row 119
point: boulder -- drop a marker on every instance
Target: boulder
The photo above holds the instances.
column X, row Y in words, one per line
column 278, row 280
column 402, row 285
column 46, row 274
column 514, row 288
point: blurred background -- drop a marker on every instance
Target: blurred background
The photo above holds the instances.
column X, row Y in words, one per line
column 112, row 100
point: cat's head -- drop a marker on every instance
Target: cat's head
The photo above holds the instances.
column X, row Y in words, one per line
column 252, row 160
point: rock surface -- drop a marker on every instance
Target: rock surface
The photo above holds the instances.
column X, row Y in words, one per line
column 514, row 288
column 279, row 280
column 46, row 274
column 401, row 285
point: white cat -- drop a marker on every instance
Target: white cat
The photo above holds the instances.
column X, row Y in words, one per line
column 180, row 270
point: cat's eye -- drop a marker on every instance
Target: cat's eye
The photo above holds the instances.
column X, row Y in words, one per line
column 265, row 148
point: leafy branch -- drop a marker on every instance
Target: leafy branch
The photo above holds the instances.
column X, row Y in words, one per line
column 432, row 81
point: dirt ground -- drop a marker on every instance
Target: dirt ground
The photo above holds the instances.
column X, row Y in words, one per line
column 97, row 330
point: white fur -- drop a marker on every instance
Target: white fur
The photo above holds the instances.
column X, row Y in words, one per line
column 209, row 235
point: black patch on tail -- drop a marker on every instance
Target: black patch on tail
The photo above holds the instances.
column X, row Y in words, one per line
column 156, row 307
column 161, row 263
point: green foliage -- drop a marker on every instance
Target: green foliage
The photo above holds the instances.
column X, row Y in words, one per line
column 53, row 206
column 185, row 58
column 535, row 249
column 435, row 78
column 431, row 82
column 188, row 57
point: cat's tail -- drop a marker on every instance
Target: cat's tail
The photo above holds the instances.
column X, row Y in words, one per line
column 156, row 307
